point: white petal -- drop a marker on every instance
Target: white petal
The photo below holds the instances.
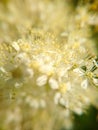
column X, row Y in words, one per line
column 2, row 69
column 95, row 81
column 42, row 103
column 29, row 72
column 15, row 46
column 84, row 84
column 34, row 103
column 42, row 80
column 78, row 71
column 46, row 68
column 78, row 110
column 68, row 86
column 53, row 83
column 57, row 97
column 62, row 101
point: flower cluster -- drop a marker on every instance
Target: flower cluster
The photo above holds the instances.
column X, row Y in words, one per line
column 48, row 66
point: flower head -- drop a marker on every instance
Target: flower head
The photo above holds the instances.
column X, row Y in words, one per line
column 50, row 71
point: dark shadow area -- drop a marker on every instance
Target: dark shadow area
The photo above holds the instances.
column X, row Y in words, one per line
column 88, row 121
